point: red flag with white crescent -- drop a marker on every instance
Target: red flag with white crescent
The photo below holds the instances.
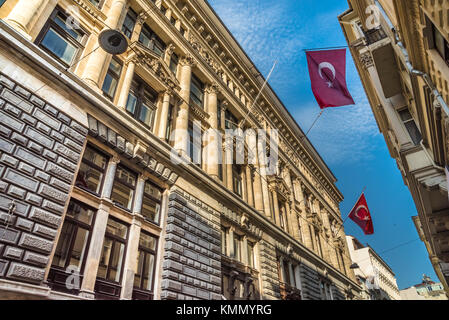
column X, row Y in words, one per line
column 327, row 69
column 360, row 214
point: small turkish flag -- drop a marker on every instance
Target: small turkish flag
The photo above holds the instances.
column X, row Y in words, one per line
column 327, row 71
column 360, row 214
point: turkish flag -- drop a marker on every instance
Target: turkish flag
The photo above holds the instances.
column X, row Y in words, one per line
column 360, row 214
column 327, row 71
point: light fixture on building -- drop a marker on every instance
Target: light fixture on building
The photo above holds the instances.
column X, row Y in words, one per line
column 354, row 266
column 113, row 41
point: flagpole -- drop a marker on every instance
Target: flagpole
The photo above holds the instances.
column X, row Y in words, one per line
column 313, row 124
column 364, row 188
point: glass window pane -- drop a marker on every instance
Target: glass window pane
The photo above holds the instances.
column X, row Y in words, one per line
column 148, row 272
column 126, row 176
column 414, row 132
column 153, row 191
column 147, row 242
column 61, row 21
column 117, row 229
column 150, row 209
column 115, row 268
column 146, row 115
column 59, row 46
column 104, row 259
column 122, row 195
column 109, row 85
column 80, row 213
column 89, row 178
column 405, row 115
column 68, row 231
column 137, row 276
column 79, row 248
column 131, row 103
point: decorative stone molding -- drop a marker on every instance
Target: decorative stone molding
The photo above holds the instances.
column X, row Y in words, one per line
column 138, row 153
column 366, row 59
column 213, row 88
column 242, row 221
column 205, row 54
column 187, row 60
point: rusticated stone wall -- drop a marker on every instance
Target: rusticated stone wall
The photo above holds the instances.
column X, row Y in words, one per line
column 40, row 148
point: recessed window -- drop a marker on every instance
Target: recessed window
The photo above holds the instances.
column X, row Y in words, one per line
column 92, row 170
column 163, row 10
column 129, row 23
column 411, row 126
column 2, row 2
column 60, row 38
column 174, row 61
column 237, row 247
column 224, row 241
column 144, row 277
column 113, row 252
column 170, row 124
column 71, row 249
column 231, row 121
column 141, row 102
column 151, row 206
column 441, row 44
column 112, row 78
column 151, row 40
column 237, row 179
column 123, row 188
column 96, row 3
column 182, row 30
column 250, row 250
column 195, row 143
column 197, row 92
column 172, row 20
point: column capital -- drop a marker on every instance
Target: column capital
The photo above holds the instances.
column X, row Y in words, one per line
column 213, row 88
column 224, row 105
column 115, row 159
column 187, row 60
column 144, row 176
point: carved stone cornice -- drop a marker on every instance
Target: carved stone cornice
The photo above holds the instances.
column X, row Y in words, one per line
column 213, row 88
column 142, row 17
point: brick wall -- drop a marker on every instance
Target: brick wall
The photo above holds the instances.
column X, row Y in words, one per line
column 40, row 148
column 191, row 267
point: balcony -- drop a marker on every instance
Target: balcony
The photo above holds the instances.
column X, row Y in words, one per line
column 288, row 292
column 374, row 35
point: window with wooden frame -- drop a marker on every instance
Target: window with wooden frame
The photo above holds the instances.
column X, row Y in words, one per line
column 60, row 39
column 141, row 103
column 151, row 40
column 195, row 142
column 237, row 247
column 112, row 78
column 174, row 61
column 151, row 202
column 129, row 23
column 197, row 92
column 92, row 170
column 113, row 251
column 73, row 243
column 144, row 277
column 410, row 126
column 97, row 3
column 237, row 180
column 170, row 124
column 124, row 187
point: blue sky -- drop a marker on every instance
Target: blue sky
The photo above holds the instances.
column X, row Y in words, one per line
column 347, row 138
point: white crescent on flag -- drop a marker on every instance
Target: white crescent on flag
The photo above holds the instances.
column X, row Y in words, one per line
column 329, row 66
column 357, row 213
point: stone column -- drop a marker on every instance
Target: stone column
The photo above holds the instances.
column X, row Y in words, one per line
column 97, row 58
column 127, row 82
column 163, row 120
column 244, row 189
column 25, row 14
column 292, row 221
column 182, row 120
column 131, row 259
column 140, row 188
column 213, row 136
column 249, row 185
column 109, row 177
column 94, row 253
column 251, row 140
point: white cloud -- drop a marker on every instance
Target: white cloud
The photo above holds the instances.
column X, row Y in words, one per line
column 269, row 32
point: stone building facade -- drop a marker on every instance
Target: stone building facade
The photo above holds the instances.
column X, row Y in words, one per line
column 92, row 204
column 401, row 51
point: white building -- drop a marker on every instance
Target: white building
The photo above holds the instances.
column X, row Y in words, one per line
column 373, row 271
